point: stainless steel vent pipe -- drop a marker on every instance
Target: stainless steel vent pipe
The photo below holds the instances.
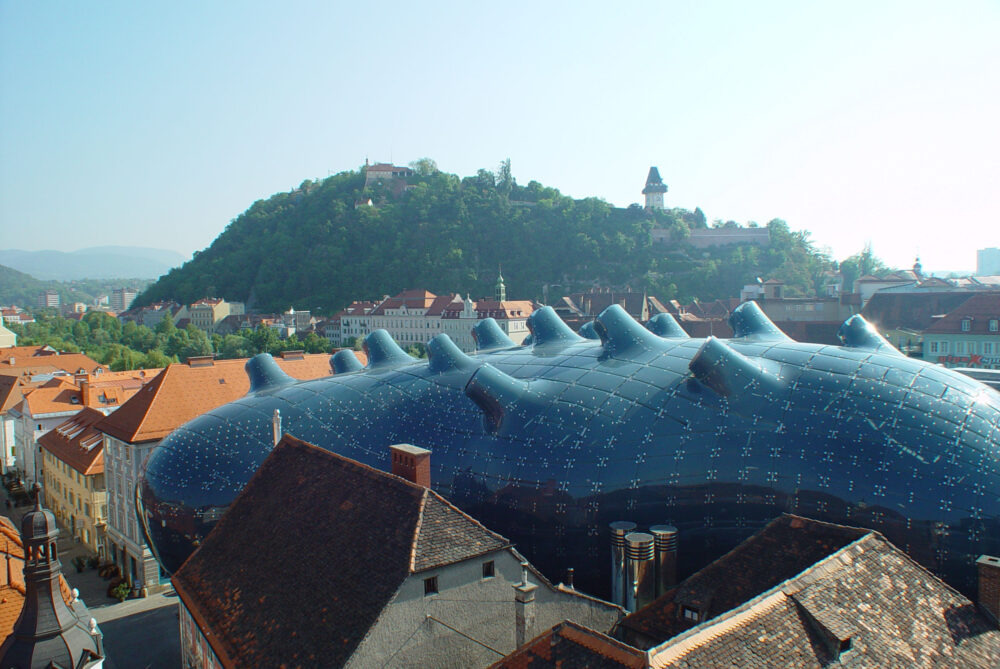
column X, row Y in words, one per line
column 619, row 529
column 665, row 541
column 640, row 577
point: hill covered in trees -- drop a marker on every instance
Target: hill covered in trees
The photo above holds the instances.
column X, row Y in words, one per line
column 319, row 247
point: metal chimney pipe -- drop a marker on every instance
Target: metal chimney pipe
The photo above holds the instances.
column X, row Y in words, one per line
column 619, row 529
column 665, row 542
column 641, row 570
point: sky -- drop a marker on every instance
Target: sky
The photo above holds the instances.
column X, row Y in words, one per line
column 156, row 124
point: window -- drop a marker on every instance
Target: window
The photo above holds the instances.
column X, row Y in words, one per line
column 994, row 325
column 690, row 614
column 934, row 347
column 430, row 586
column 988, row 347
column 966, row 324
column 488, row 569
column 960, row 347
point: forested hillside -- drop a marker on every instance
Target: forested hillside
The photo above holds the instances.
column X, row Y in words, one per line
column 316, row 248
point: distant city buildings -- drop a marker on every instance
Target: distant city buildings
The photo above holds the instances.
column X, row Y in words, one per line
column 122, row 298
column 208, row 312
column 48, row 298
column 988, row 262
column 416, row 316
column 385, row 175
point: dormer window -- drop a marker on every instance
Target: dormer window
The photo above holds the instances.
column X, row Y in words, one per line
column 691, row 615
column 966, row 324
column 994, row 325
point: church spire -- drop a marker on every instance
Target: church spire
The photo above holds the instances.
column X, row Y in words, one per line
column 500, row 290
column 48, row 632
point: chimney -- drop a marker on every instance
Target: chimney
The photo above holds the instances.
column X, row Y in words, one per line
column 200, row 360
column 85, row 390
column 619, row 529
column 640, row 574
column 411, row 463
column 665, row 543
column 276, row 427
column 524, row 603
column 989, row 586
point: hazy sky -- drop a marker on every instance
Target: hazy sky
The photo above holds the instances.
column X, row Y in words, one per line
column 155, row 124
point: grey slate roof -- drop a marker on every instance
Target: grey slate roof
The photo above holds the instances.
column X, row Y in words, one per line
column 310, row 553
column 784, row 548
column 866, row 605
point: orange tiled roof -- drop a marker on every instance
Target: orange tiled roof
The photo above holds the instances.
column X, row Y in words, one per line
column 413, row 299
column 20, row 358
column 77, row 442
column 504, row 310
column 104, row 391
column 54, row 396
column 12, row 389
column 183, row 391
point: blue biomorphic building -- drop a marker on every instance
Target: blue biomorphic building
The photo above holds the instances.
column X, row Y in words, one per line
column 551, row 441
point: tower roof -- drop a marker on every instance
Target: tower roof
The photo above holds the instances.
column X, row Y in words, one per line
column 654, row 184
column 49, row 631
column 38, row 523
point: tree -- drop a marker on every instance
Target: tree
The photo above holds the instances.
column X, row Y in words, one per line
column 197, row 344
column 505, row 181
column 264, row 340
column 166, row 326
column 155, row 359
column 863, row 263
column 235, row 346
column 313, row 343
column 424, row 167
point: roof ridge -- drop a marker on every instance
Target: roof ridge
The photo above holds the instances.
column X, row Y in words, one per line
column 417, row 526
column 154, row 386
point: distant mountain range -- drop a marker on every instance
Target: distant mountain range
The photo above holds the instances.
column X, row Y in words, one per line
column 99, row 262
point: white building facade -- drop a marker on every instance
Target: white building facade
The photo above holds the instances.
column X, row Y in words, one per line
column 126, row 546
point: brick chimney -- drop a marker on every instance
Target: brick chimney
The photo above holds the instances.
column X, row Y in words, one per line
column 989, row 586
column 411, row 463
column 85, row 391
